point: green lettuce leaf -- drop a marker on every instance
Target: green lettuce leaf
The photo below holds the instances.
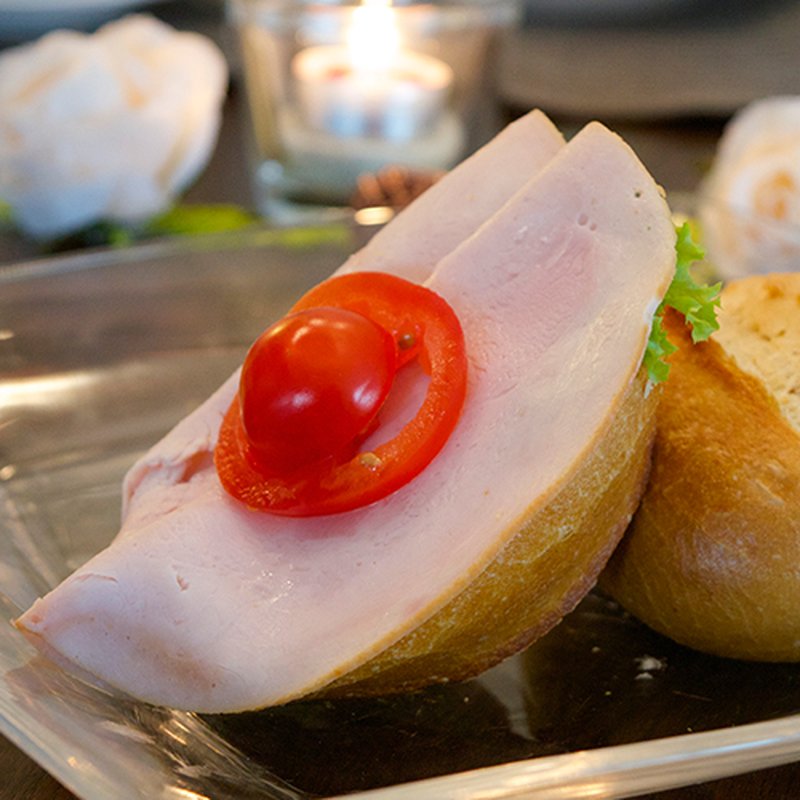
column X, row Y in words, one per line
column 697, row 302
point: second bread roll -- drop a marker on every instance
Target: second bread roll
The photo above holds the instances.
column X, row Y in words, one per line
column 712, row 558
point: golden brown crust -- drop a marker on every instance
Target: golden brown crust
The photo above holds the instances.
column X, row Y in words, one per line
column 760, row 328
column 712, row 558
column 519, row 597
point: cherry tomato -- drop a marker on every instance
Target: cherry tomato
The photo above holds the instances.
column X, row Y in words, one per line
column 312, row 384
column 337, row 475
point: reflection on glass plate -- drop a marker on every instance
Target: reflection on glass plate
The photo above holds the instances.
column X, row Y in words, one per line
column 99, row 355
column 26, row 19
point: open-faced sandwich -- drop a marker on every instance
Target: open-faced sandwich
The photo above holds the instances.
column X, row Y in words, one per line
column 431, row 483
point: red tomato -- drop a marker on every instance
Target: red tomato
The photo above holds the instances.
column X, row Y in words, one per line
column 422, row 326
column 312, row 384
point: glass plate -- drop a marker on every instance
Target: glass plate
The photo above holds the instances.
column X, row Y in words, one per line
column 99, row 355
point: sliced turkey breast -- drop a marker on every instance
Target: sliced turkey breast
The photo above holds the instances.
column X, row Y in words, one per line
column 410, row 246
column 454, row 207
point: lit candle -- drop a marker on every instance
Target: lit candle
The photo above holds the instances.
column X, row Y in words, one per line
column 371, row 86
column 364, row 103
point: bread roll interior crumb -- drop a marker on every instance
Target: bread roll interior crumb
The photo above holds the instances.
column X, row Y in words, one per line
column 760, row 330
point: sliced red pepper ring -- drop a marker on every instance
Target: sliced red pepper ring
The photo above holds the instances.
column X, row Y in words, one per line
column 424, row 327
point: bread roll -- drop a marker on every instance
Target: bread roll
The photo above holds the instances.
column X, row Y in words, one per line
column 712, row 558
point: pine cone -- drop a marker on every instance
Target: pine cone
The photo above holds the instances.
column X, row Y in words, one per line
column 392, row 186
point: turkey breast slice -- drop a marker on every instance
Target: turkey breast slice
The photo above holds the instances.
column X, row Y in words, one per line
column 453, row 208
column 409, row 246
column 202, row 604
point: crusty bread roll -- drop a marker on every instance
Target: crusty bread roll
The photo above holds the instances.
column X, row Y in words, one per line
column 712, row 558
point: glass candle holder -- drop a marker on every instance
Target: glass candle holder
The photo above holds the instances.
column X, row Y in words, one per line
column 339, row 89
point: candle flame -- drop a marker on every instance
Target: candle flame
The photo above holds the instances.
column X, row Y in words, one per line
column 373, row 39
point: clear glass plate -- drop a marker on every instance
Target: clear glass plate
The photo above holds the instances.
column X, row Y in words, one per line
column 99, row 355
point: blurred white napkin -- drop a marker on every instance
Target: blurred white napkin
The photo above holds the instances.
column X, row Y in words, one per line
column 106, row 126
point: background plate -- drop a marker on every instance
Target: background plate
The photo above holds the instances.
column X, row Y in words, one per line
column 102, row 353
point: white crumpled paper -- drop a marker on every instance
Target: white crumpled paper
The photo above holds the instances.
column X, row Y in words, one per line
column 749, row 205
column 106, row 126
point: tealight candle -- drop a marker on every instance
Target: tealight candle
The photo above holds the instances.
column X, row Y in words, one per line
column 366, row 102
column 338, row 88
column 398, row 103
column 371, row 86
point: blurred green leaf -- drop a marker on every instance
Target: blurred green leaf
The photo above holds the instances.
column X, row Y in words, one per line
column 183, row 220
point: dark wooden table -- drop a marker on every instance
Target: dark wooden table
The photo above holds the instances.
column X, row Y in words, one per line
column 677, row 151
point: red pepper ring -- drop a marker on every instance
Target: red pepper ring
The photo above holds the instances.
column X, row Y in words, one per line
column 424, row 326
